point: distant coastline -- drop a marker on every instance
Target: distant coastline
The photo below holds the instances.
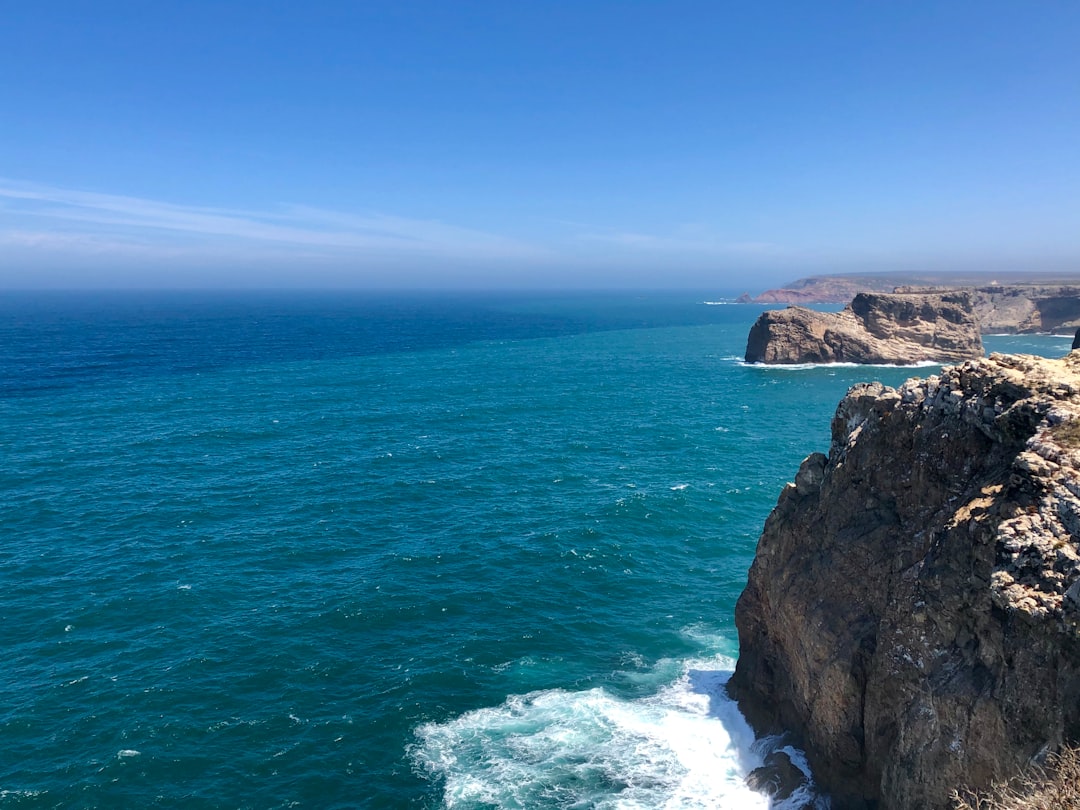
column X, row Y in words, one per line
column 839, row 288
column 1016, row 303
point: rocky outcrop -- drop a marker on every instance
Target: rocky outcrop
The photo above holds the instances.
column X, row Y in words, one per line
column 912, row 614
column 1018, row 309
column 838, row 288
column 1014, row 303
column 873, row 328
column 777, row 777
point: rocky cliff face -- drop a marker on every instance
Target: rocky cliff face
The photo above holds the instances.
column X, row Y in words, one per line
column 1009, row 309
column 1015, row 304
column 873, row 328
column 913, row 611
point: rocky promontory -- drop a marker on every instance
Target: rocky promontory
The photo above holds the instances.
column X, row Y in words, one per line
column 912, row 615
column 1021, row 308
column 830, row 289
column 873, row 328
column 1013, row 303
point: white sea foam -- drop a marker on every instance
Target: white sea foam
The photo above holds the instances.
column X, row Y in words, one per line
column 678, row 487
column 805, row 366
column 686, row 746
column 127, row 753
column 1028, row 335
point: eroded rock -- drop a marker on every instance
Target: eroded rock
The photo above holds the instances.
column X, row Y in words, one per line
column 873, row 328
column 912, row 613
column 778, row 777
column 1021, row 308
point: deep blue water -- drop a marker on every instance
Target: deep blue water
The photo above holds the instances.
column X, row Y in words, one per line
column 385, row 551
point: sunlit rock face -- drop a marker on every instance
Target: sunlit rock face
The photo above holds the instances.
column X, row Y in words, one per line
column 912, row 614
column 1023, row 308
column 873, row 328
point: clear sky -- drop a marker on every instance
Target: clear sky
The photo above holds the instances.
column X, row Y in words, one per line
column 517, row 143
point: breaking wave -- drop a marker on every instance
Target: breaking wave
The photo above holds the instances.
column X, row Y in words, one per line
column 686, row 746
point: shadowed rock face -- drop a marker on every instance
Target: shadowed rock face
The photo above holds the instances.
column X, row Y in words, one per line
column 913, row 610
column 873, row 328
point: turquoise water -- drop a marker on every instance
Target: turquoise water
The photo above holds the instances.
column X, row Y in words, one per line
column 480, row 552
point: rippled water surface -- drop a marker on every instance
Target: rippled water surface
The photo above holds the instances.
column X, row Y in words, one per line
column 343, row 551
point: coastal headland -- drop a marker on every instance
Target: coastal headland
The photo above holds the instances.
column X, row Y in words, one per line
column 1003, row 304
column 874, row 328
column 912, row 615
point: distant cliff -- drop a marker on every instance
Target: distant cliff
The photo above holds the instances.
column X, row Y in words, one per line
column 873, row 328
column 828, row 289
column 912, row 614
column 1023, row 308
column 1012, row 304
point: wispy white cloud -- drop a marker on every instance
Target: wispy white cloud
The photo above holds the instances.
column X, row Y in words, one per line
column 687, row 239
column 61, row 236
column 48, row 218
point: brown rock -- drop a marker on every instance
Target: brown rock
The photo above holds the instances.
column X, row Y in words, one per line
column 1021, row 308
column 778, row 777
column 911, row 615
column 1013, row 303
column 873, row 328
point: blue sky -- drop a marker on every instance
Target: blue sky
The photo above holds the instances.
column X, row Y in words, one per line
column 522, row 144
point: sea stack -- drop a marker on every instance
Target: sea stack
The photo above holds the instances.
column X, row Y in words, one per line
column 912, row 615
column 873, row 328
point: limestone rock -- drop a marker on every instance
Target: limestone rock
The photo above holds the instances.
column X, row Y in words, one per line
column 912, row 614
column 1015, row 303
column 1022, row 308
column 873, row 328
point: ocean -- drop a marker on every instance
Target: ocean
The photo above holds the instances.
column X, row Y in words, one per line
column 354, row 550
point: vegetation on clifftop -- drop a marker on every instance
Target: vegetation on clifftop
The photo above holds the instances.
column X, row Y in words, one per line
column 1053, row 787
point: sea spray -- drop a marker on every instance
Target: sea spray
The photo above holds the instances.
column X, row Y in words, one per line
column 685, row 746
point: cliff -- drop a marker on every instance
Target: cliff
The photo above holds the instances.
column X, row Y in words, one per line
column 873, row 328
column 1020, row 309
column 912, row 614
column 1016, row 304
column 828, row 289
